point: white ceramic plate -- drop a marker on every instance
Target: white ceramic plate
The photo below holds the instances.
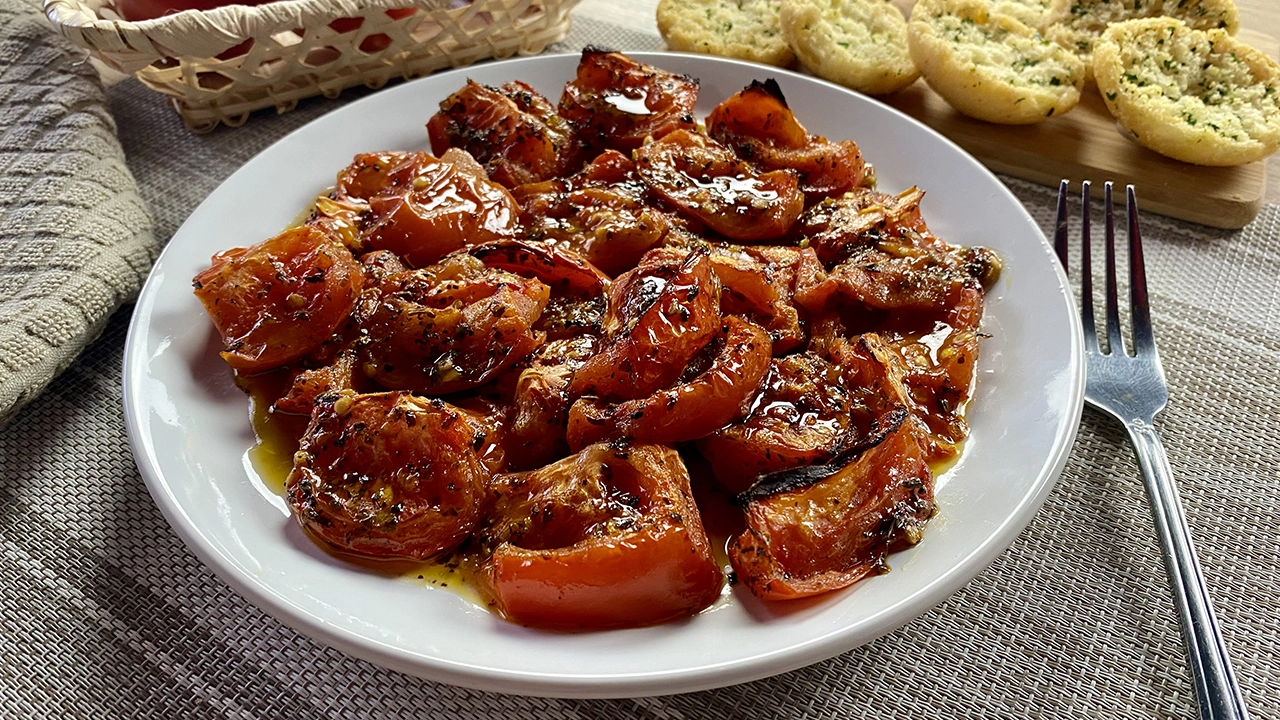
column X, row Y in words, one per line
column 189, row 427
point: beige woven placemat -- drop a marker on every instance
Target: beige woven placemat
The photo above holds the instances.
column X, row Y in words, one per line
column 109, row 615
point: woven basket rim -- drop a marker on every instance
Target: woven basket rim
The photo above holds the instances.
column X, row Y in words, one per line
column 226, row 21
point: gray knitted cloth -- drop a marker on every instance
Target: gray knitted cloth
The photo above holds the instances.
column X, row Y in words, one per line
column 75, row 241
column 108, row 615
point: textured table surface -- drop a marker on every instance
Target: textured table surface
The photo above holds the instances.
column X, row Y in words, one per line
column 109, row 615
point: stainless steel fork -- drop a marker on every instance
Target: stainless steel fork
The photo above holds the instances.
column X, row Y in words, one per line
column 1131, row 388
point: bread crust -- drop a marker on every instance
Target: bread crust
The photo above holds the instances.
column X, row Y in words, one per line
column 1195, row 96
column 861, row 44
column 742, row 29
column 990, row 66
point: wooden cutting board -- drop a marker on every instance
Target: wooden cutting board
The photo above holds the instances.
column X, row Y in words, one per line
column 1087, row 144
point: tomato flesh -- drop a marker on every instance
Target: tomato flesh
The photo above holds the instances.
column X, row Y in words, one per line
column 617, row 102
column 714, row 398
column 757, row 124
column 834, row 532
column 277, row 301
column 388, row 475
column 660, row 315
column 607, row 538
column 512, row 130
column 708, row 182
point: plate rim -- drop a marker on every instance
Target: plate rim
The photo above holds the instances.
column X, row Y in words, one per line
column 604, row 685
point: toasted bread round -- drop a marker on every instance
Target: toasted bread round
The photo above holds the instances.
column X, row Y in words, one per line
column 990, row 66
column 1032, row 13
column 861, row 44
column 1202, row 97
column 742, row 29
column 1077, row 24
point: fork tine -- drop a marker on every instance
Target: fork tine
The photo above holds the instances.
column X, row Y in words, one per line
column 1144, row 342
column 1060, row 228
column 1086, row 273
column 1115, row 341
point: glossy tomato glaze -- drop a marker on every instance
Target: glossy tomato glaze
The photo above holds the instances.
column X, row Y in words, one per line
column 591, row 361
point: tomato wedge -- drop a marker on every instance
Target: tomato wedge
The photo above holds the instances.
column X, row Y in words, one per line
column 540, row 403
column 714, row 398
column 451, row 327
column 661, row 314
column 605, row 213
column 803, row 416
column 822, row 528
column 757, row 124
column 758, row 283
column 512, row 130
column 705, row 180
column 427, row 208
column 607, row 538
column 279, row 300
column 616, row 102
column 388, row 475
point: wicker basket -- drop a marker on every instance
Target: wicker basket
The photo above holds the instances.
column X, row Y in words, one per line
column 217, row 66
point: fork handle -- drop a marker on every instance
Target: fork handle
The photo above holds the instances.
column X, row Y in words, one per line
column 1217, row 692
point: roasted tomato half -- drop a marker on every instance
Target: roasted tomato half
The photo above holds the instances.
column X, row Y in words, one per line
column 692, row 409
column 388, row 475
column 536, row 434
column 604, row 213
column 451, row 326
column 804, row 416
column 705, row 180
column 661, row 314
column 579, row 292
column 423, row 208
column 931, row 375
column 607, row 538
column 824, row 527
column 757, row 124
column 757, row 282
column 512, row 130
column 616, row 102
column 279, row 300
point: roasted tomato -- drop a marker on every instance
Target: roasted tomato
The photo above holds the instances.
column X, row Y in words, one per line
column 388, row 475
column 885, row 258
column 309, row 384
column 578, row 290
column 696, row 408
column 757, row 124
column 661, row 314
column 705, row 180
column 824, row 527
column 279, row 300
column 607, row 538
column 371, row 174
column 804, row 415
column 931, row 374
column 866, row 221
column 617, row 102
column 512, row 130
column 540, row 405
column 425, row 208
column 605, row 213
column 758, row 283
column 451, row 326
